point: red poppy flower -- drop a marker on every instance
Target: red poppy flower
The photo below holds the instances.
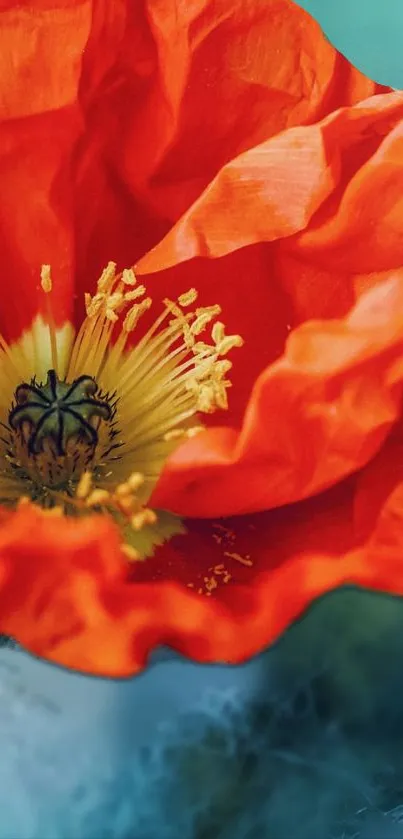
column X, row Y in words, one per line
column 237, row 150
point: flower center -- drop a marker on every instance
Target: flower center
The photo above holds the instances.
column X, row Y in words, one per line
column 94, row 416
column 55, row 429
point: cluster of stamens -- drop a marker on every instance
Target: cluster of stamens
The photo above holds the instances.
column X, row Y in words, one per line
column 91, row 431
column 123, row 502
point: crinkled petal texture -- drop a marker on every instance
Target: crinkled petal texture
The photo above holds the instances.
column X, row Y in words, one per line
column 227, row 588
column 326, row 199
column 130, row 110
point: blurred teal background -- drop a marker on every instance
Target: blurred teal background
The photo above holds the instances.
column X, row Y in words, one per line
column 302, row 742
column 368, row 32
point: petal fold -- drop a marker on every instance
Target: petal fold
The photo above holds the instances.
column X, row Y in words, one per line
column 171, row 93
column 275, row 190
column 67, row 597
column 317, row 414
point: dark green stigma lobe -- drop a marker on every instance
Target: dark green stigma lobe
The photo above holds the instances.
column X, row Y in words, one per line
column 58, row 411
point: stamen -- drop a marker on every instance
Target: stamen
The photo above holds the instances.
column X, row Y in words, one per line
column 95, row 441
column 98, row 498
column 144, row 517
column 130, row 553
column 133, row 316
column 84, row 485
column 188, row 298
column 46, row 283
column 46, row 280
column 129, row 277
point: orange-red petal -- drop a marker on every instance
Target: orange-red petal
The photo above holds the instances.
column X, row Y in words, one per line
column 171, row 93
column 40, row 122
column 361, row 232
column 298, row 179
column 67, row 596
column 52, row 587
column 227, row 74
column 377, row 563
column 316, row 415
column 115, row 134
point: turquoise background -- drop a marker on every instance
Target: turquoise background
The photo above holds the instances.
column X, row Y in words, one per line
column 368, row 32
column 302, row 742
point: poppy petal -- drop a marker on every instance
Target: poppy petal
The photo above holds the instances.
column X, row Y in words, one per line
column 372, row 200
column 155, row 83
column 274, row 190
column 51, row 588
column 316, row 415
column 39, row 127
column 69, row 599
column 269, row 60
column 117, row 120
column 378, row 563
